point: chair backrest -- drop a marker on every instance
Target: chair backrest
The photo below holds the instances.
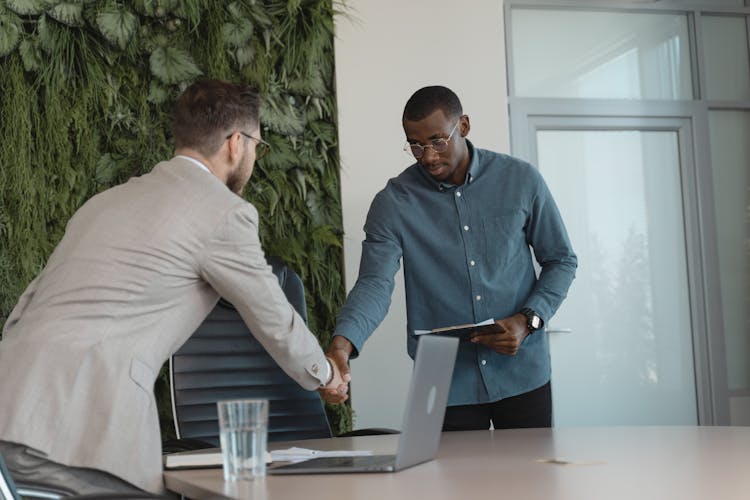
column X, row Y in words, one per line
column 7, row 486
column 222, row 360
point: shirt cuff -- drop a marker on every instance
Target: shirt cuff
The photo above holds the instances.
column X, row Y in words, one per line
column 329, row 372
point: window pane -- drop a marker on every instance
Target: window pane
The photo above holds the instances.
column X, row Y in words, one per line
column 726, row 54
column 629, row 305
column 710, row 3
column 730, row 159
column 560, row 53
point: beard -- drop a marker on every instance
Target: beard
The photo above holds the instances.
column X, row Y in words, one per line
column 235, row 182
column 238, row 178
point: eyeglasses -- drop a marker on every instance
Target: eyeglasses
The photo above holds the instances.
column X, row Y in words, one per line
column 437, row 145
column 261, row 146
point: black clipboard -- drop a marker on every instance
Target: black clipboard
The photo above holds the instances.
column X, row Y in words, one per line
column 460, row 331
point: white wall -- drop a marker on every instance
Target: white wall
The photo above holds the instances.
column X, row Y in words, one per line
column 385, row 50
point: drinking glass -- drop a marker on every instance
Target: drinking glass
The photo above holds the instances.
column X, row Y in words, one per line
column 243, row 431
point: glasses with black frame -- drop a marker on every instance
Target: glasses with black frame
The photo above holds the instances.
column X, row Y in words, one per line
column 437, row 145
column 261, row 146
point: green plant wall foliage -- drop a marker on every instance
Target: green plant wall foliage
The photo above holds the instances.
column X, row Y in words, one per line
column 86, row 91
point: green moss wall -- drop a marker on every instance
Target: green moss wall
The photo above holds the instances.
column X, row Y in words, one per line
column 86, row 91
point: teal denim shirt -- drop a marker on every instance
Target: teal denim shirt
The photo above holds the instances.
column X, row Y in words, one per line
column 467, row 257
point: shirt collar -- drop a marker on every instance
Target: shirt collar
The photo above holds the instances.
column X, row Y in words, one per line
column 194, row 161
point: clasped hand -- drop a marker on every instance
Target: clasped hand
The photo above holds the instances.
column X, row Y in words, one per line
column 507, row 336
column 337, row 390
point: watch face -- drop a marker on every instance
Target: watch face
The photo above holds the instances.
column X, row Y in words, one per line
column 536, row 321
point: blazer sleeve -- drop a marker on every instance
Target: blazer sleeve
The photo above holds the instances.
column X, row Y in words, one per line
column 233, row 263
column 23, row 302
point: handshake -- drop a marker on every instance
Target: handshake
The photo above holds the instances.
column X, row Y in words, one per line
column 337, row 390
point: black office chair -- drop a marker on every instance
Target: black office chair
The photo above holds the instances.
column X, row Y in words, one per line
column 22, row 490
column 121, row 496
column 7, row 486
column 222, row 360
column 16, row 490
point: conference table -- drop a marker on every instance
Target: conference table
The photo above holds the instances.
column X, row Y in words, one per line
column 570, row 463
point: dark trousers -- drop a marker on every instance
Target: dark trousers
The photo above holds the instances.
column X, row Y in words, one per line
column 531, row 409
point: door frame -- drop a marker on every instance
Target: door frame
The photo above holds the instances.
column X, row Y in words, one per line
column 690, row 121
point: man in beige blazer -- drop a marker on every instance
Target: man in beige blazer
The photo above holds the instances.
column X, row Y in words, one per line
column 139, row 268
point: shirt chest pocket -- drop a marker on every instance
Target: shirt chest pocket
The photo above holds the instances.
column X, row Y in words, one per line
column 504, row 238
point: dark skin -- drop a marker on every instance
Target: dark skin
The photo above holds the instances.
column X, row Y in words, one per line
column 507, row 337
column 450, row 166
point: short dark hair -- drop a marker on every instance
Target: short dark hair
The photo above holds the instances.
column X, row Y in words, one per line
column 210, row 109
column 429, row 99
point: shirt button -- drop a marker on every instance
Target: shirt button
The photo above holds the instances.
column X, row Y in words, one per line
column 466, row 228
column 458, row 193
column 472, row 263
column 479, row 297
column 484, row 362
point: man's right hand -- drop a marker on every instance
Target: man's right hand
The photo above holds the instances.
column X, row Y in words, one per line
column 338, row 352
column 336, row 391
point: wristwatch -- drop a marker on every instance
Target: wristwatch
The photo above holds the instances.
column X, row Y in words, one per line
column 533, row 321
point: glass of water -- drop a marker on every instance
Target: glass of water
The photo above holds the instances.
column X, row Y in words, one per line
column 243, row 431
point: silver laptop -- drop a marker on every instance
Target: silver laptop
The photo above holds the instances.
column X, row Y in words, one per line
column 423, row 419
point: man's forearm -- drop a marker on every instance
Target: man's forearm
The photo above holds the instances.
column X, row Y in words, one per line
column 341, row 342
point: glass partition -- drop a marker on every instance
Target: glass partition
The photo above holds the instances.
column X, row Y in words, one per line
column 730, row 160
column 710, row 3
column 608, row 55
column 628, row 307
column 726, row 57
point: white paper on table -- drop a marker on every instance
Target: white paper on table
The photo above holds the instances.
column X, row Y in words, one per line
column 295, row 454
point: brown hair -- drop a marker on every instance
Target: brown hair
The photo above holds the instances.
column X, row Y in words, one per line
column 208, row 110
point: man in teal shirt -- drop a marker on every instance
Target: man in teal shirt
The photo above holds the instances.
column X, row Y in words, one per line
column 464, row 220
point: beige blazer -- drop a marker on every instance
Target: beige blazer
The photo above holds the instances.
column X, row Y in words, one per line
column 139, row 268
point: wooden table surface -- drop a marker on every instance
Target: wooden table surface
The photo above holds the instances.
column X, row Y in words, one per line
column 598, row 463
